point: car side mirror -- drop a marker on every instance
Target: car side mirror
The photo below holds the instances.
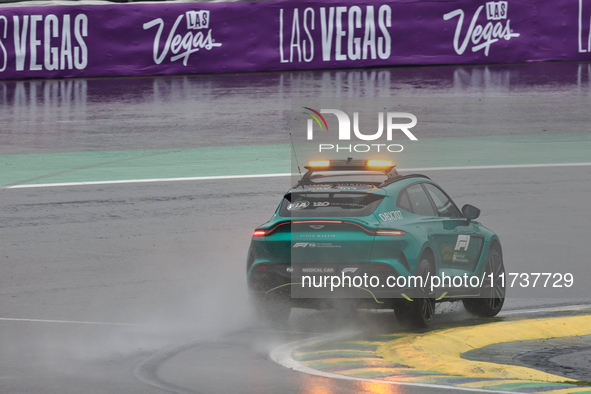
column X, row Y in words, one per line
column 470, row 212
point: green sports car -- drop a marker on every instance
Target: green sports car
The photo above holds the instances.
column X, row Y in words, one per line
column 358, row 232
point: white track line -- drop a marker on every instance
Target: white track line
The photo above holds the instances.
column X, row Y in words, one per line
column 221, row 177
column 510, row 312
column 197, row 178
column 95, row 323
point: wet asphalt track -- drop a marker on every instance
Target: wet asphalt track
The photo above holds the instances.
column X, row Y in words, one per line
column 165, row 261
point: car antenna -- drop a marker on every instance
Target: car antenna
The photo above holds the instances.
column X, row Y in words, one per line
column 294, row 154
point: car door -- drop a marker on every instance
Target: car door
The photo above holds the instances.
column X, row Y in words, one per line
column 458, row 240
column 414, row 199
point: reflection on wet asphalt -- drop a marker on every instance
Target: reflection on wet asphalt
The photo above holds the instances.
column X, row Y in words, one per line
column 238, row 109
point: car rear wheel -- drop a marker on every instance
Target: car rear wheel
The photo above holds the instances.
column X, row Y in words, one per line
column 271, row 310
column 492, row 295
column 419, row 312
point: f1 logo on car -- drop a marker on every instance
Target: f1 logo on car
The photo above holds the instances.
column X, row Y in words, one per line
column 462, row 242
column 304, row 244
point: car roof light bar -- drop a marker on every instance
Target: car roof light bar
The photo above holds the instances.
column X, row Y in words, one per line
column 386, row 166
column 350, row 165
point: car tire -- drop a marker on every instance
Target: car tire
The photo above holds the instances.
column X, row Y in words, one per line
column 271, row 310
column 492, row 295
column 419, row 312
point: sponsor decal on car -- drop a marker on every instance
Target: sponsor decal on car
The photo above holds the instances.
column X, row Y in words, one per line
column 392, row 215
column 463, row 242
column 315, row 245
column 317, row 270
column 298, row 205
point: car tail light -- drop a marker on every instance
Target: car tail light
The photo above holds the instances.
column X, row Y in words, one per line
column 317, row 221
column 392, row 233
column 263, row 232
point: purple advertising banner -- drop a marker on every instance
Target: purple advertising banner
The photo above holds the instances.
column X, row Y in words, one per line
column 184, row 38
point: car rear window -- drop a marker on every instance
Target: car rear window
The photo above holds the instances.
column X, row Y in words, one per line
column 329, row 204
